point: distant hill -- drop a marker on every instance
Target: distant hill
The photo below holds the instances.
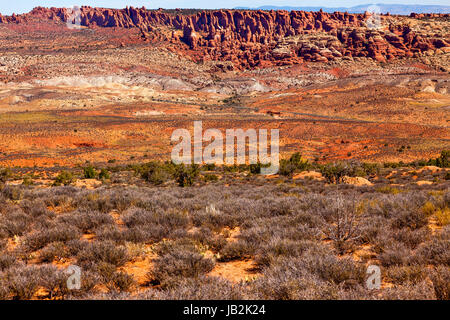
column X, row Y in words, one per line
column 403, row 9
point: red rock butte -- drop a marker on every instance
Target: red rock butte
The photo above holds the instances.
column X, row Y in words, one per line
column 250, row 38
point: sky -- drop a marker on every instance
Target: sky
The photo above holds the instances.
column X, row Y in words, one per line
column 7, row 7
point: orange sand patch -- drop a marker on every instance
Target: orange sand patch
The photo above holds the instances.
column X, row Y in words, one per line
column 424, row 183
column 232, row 234
column 138, row 269
column 433, row 169
column 433, row 225
column 364, row 251
column 235, row 271
column 89, row 237
column 89, row 184
column 309, row 175
column 117, row 219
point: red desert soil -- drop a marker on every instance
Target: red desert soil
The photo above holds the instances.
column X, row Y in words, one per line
column 236, row 271
column 117, row 88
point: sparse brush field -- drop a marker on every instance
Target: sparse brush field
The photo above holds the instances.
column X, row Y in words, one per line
column 166, row 232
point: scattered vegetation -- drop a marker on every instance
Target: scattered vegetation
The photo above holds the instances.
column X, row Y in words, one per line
column 64, row 178
column 304, row 238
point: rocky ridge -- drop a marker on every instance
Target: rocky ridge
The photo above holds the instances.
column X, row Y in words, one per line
column 250, row 38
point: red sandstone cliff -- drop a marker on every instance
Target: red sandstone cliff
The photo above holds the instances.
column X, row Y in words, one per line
column 252, row 38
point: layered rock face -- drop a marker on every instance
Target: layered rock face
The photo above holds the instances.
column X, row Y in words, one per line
column 258, row 38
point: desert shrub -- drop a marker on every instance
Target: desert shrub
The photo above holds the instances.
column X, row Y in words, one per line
column 59, row 200
column 64, row 178
column 255, row 168
column 120, row 281
column 434, row 252
column 53, row 251
column 156, row 224
column 5, row 174
column 277, row 247
column 297, row 160
column 102, row 251
column 186, row 175
column 214, row 220
column 113, row 233
column 210, row 178
column 388, row 190
column 442, row 161
column 396, row 254
column 4, row 290
column 383, row 240
column 406, row 274
column 370, row 228
column 23, row 281
column 443, row 216
column 192, row 171
column 35, row 208
column 147, row 233
column 6, row 261
column 260, row 231
column 441, row 282
column 15, row 223
column 288, row 279
column 27, row 181
column 342, row 218
column 89, row 172
column 412, row 238
column 409, row 291
column 209, row 167
column 428, row 208
column 332, row 269
column 157, row 174
column 207, row 238
column 90, row 281
column 75, row 246
column 3, row 242
column 104, row 174
column 86, row 220
column 106, row 296
column 286, row 168
column 179, row 262
column 105, row 201
column 446, row 199
column 334, row 172
column 53, row 280
column 40, row 238
column 13, row 192
column 294, row 163
column 413, row 219
column 168, row 246
column 201, row 288
column 237, row 250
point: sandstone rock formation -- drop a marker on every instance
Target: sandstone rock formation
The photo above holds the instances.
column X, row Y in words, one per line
column 256, row 38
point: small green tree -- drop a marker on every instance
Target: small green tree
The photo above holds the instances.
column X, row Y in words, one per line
column 186, row 175
column 294, row 163
column 104, row 174
column 334, row 172
column 89, row 172
column 255, row 168
column 5, row 174
column 64, row 178
column 444, row 160
column 27, row 181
